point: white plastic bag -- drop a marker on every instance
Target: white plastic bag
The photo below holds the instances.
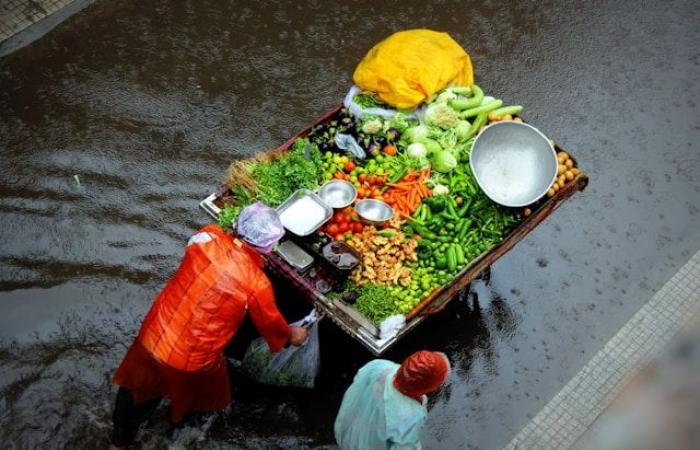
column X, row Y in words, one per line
column 358, row 111
column 293, row 366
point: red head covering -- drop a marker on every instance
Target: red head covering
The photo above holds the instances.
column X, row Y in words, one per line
column 421, row 373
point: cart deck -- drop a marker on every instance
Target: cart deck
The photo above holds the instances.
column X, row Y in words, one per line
column 359, row 327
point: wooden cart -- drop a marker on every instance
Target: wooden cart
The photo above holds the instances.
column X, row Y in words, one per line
column 359, row 327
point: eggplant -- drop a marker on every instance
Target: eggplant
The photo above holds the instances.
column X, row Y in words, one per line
column 392, row 134
column 374, row 149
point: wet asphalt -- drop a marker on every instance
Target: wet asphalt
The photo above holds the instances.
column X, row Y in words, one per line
column 147, row 102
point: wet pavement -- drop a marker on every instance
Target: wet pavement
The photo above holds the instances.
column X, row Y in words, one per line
column 147, row 104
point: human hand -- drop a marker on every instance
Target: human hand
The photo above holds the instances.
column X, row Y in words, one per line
column 298, row 335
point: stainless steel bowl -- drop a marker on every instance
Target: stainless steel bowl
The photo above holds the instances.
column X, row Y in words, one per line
column 338, row 193
column 514, row 163
column 373, row 211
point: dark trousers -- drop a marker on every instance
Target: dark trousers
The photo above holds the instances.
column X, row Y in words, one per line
column 127, row 417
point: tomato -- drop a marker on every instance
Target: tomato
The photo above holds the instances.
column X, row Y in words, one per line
column 339, row 174
column 372, row 180
column 357, row 227
column 339, row 237
column 342, row 218
column 390, row 150
column 333, row 229
column 381, row 181
column 362, row 177
column 343, row 227
column 374, row 192
column 349, row 166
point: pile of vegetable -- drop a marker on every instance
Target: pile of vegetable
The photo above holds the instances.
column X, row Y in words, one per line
column 420, row 167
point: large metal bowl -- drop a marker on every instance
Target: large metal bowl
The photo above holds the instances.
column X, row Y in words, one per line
column 373, row 211
column 514, row 163
column 338, row 193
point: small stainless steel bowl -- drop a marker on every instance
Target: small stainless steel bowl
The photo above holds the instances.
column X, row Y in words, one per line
column 373, row 211
column 338, row 194
column 513, row 163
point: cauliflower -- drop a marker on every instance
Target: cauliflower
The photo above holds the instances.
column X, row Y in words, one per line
column 444, row 97
column 440, row 189
column 441, row 115
column 372, row 125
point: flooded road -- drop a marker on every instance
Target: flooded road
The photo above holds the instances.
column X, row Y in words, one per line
column 147, row 103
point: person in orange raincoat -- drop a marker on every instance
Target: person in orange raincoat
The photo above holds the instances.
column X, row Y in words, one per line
column 178, row 353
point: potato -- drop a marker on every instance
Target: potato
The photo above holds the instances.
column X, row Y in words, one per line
column 569, row 163
column 494, row 117
column 569, row 175
column 562, row 157
column 518, row 119
column 561, row 180
column 528, row 211
column 575, row 171
column 550, row 192
column 561, row 168
column 555, row 186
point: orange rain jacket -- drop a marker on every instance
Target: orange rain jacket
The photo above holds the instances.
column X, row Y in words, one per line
column 202, row 306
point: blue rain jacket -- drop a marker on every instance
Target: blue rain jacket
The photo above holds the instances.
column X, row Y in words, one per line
column 375, row 416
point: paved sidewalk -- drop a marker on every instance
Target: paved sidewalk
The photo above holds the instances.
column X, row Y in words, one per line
column 562, row 422
column 16, row 15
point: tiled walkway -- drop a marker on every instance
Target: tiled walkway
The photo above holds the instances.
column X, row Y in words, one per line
column 16, row 15
column 574, row 409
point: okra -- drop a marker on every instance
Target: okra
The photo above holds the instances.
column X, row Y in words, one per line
column 465, row 228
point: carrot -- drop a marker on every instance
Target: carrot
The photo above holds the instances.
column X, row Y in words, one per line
column 401, row 186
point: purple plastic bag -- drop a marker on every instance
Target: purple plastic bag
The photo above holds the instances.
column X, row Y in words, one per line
column 260, row 226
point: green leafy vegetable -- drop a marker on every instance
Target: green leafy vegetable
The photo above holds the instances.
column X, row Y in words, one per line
column 375, row 302
column 276, row 180
column 368, row 101
column 228, row 215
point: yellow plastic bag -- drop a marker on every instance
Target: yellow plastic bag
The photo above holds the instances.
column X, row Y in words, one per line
column 408, row 67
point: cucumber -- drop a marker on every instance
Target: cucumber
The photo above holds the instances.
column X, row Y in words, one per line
column 451, row 259
column 461, row 104
column 459, row 253
column 481, row 109
column 514, row 109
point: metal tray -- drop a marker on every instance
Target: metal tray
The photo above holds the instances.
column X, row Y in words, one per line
column 295, row 255
column 297, row 196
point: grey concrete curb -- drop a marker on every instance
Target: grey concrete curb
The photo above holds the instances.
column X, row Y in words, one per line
column 562, row 422
column 24, row 21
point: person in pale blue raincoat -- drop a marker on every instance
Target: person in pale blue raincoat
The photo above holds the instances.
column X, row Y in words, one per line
column 386, row 405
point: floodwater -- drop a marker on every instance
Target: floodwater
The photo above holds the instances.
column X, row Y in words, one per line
column 117, row 122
